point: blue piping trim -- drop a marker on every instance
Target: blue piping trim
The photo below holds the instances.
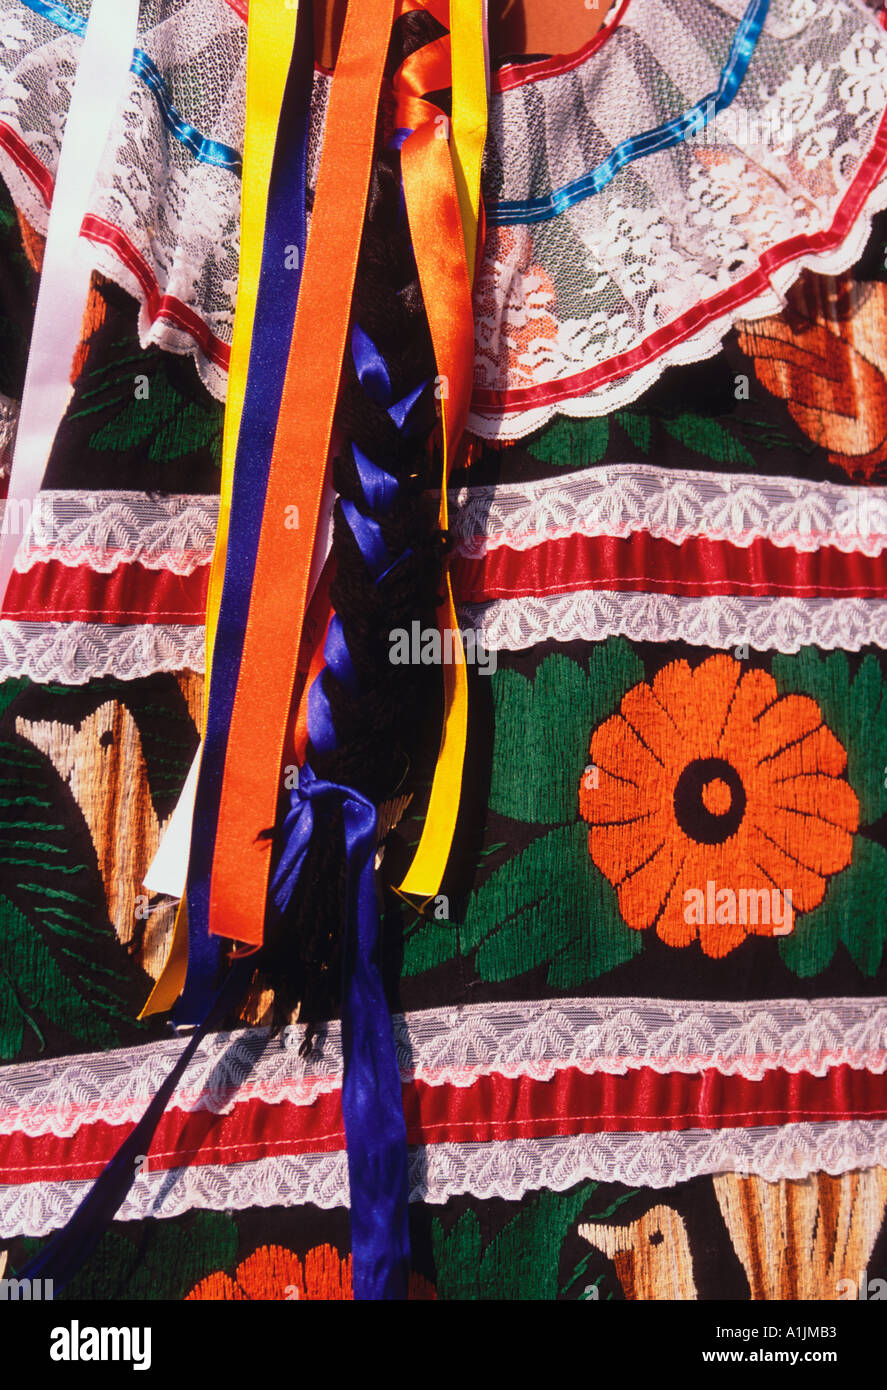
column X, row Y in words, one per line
column 204, row 149
column 662, row 137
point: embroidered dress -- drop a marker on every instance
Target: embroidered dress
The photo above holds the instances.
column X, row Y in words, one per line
column 641, row 1030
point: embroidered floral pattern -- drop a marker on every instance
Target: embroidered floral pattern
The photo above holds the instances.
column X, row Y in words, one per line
column 827, row 360
column 708, row 783
column 272, row 1272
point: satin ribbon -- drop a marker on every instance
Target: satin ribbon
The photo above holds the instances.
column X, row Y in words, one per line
column 371, row 1096
column 469, row 128
column 69, row 1249
column 251, row 779
column 99, row 86
column 279, row 77
column 484, row 1108
column 440, row 238
column 650, row 564
column 372, row 1104
column 252, row 775
column 441, row 195
column 271, row 37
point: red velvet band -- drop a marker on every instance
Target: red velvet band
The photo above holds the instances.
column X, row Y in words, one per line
column 644, row 562
column 53, row 592
column 493, row 1108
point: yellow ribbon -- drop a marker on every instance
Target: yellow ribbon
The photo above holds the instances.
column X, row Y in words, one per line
column 270, row 36
column 469, row 121
column 468, row 132
column 423, row 878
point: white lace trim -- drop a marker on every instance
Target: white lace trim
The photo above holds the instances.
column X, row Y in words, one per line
column 560, row 298
column 38, row 64
column 168, row 228
column 550, row 304
column 74, row 653
column 763, row 624
column 9, row 413
column 671, row 504
column 440, row 1171
column 102, row 530
column 179, row 215
column 534, row 1039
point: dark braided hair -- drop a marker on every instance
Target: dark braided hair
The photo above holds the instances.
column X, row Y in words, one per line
column 379, row 728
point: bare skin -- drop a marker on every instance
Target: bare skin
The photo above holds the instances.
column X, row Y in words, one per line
column 516, row 26
column 540, row 26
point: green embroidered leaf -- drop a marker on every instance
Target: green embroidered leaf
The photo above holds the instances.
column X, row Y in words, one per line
column 571, row 443
column 429, row 944
column 169, row 424
column 548, row 906
column 638, row 428
column 856, row 713
column 10, row 691
column 544, row 726
column 764, row 434
column 165, row 1263
column 854, row 910
column 705, row 436
column 521, row 1263
column 62, row 987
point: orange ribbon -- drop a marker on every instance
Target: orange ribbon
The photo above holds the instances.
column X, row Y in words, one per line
column 252, row 779
column 441, row 245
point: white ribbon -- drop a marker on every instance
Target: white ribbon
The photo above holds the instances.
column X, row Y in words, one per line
column 99, row 85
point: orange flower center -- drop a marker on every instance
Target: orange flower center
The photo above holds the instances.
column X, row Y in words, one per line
column 717, row 797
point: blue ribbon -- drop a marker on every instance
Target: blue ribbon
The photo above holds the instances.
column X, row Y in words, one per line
column 69, row 1249
column 662, row 137
column 203, row 148
column 285, row 227
column 372, row 1102
column 58, row 14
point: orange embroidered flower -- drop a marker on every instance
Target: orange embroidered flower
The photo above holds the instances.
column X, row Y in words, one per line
column 273, row 1273
column 715, row 798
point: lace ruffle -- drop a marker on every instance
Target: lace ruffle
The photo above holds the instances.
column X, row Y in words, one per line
column 74, row 653
column 623, row 498
column 764, row 624
column 579, row 314
column 163, row 222
column 441, row 1171
column 102, row 530
column 533, row 1039
column 582, row 312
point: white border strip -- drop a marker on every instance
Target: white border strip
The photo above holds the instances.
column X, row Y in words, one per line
column 438, row 1172
column 455, row 1046
column 721, row 621
column 670, row 504
column 102, row 76
column 74, row 653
